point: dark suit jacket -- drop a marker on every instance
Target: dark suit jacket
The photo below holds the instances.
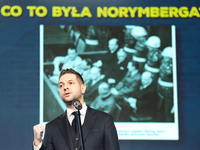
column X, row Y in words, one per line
column 91, row 92
column 99, row 133
column 146, row 100
column 128, row 84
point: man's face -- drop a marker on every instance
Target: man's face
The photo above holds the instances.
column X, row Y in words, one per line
column 130, row 66
column 141, row 38
column 146, row 79
column 121, row 56
column 70, row 87
column 103, row 89
column 95, row 73
column 112, row 45
column 150, row 48
column 72, row 54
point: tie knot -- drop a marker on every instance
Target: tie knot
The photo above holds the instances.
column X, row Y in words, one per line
column 75, row 113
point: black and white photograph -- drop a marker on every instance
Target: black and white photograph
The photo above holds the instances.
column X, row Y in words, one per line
column 129, row 72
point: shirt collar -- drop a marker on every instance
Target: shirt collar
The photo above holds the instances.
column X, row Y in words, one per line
column 82, row 111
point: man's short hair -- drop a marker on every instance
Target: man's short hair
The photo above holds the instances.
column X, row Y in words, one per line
column 72, row 48
column 72, row 71
column 115, row 40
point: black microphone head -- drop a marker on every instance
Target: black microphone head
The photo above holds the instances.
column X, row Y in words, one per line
column 79, row 107
column 77, row 104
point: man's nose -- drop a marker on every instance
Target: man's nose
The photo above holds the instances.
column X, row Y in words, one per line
column 66, row 86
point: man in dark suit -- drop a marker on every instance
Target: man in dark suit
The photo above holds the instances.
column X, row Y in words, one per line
column 118, row 69
column 95, row 78
column 144, row 99
column 146, row 96
column 129, row 83
column 98, row 128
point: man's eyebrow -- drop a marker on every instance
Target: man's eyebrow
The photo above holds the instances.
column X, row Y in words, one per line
column 70, row 80
column 67, row 81
column 60, row 83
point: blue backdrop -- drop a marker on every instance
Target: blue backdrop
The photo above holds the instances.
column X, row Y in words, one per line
column 19, row 74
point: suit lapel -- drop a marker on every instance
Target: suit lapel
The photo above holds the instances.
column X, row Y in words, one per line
column 64, row 127
column 89, row 122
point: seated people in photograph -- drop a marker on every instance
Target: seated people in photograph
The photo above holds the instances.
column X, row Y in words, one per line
column 129, row 83
column 111, row 56
column 98, row 129
column 105, row 100
column 125, row 88
column 144, row 99
column 92, row 84
column 71, row 60
column 84, row 68
column 118, row 69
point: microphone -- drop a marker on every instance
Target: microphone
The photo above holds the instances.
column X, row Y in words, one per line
column 77, row 104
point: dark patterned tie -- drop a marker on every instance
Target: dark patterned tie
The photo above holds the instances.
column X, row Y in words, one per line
column 75, row 121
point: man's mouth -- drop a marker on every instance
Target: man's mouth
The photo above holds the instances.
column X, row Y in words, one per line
column 67, row 94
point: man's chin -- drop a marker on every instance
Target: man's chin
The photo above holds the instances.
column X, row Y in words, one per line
column 68, row 102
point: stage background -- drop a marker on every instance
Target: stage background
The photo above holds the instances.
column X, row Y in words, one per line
column 19, row 74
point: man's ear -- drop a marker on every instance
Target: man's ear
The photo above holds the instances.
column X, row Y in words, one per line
column 83, row 88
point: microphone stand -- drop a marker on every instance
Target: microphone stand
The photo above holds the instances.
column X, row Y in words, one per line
column 80, row 130
column 79, row 107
